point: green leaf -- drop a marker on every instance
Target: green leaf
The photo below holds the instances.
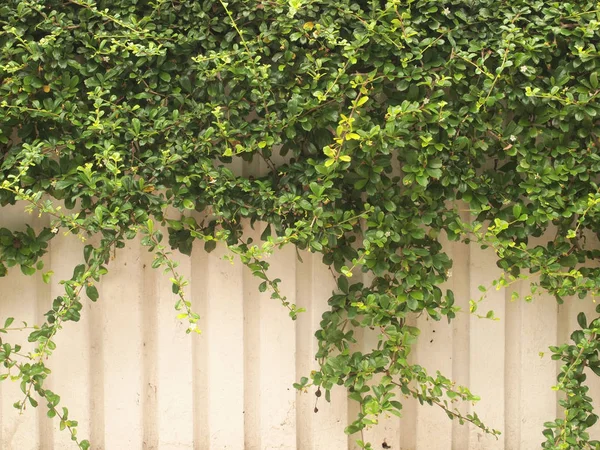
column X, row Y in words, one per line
column 92, row 292
column 417, row 294
column 266, row 233
column 361, row 101
column 594, row 79
column 27, row 270
column 412, row 303
column 343, row 284
column 136, row 125
column 517, row 209
column 78, row 272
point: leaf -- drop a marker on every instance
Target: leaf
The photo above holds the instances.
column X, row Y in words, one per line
column 412, row 303
column 27, row 270
column 596, row 369
column 165, row 76
column 92, row 292
column 417, row 294
column 8, row 322
column 361, row 101
column 266, row 234
column 582, row 320
column 568, row 261
column 78, row 271
column 316, row 188
column 517, row 209
column 87, row 252
column 136, row 124
column 594, row 79
column 591, row 420
column 343, row 284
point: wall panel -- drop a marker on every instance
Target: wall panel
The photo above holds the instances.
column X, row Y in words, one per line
column 134, row 379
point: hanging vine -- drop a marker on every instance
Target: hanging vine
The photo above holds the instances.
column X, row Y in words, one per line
column 374, row 119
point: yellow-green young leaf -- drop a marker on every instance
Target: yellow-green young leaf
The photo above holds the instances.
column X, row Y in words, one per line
column 361, row 101
column 345, row 158
column 46, row 276
column 328, row 151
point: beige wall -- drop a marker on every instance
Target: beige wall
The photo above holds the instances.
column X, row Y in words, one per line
column 134, row 380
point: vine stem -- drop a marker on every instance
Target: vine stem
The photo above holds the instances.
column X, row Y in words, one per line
column 454, row 413
column 53, row 408
column 59, row 318
column 176, row 279
column 561, row 385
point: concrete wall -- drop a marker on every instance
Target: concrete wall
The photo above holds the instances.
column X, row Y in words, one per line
column 134, row 380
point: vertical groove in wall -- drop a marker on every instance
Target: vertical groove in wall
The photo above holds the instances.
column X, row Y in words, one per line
column 353, row 406
column 44, row 298
column 512, row 372
column 122, row 345
column 487, row 349
column 562, row 333
column 461, row 352
column 46, row 438
column 360, row 346
column 304, row 351
column 252, row 354
column 174, row 366
column 69, row 363
column 150, row 355
column 96, row 361
column 460, row 333
column 331, row 418
column 408, row 422
column 200, row 344
column 225, row 352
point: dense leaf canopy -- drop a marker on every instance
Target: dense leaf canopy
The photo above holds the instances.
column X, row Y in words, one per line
column 374, row 123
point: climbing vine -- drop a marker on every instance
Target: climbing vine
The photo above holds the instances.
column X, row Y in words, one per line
column 375, row 121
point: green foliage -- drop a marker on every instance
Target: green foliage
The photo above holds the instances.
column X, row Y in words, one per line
column 570, row 431
column 375, row 120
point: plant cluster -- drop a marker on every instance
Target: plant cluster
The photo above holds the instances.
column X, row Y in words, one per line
column 377, row 121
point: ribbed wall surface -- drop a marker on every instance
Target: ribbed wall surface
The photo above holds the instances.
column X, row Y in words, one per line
column 134, row 380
